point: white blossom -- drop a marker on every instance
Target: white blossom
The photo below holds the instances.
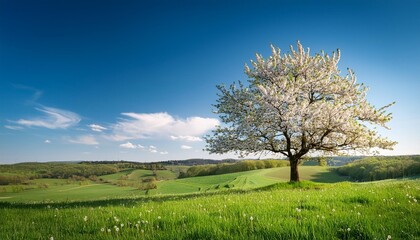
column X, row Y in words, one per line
column 297, row 104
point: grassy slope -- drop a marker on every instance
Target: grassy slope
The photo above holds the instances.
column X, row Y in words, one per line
column 59, row 190
column 330, row 211
column 245, row 180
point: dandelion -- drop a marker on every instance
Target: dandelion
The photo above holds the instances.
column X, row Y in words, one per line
column 158, row 217
column 298, row 210
column 51, row 238
column 358, row 213
column 85, row 218
column 102, row 229
column 333, row 210
column 251, row 218
column 122, row 225
column 117, row 229
column 108, row 230
column 389, row 237
column 142, row 231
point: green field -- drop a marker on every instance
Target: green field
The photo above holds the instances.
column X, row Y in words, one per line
column 258, row 204
column 283, row 211
column 122, row 184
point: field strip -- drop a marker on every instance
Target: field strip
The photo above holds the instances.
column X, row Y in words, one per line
column 267, row 175
column 5, row 197
column 90, row 185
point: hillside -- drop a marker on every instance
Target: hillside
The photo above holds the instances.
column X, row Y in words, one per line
column 128, row 184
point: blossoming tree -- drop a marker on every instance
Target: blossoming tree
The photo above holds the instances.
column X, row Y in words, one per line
column 296, row 104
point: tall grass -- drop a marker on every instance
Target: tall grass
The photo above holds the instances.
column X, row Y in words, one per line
column 283, row 211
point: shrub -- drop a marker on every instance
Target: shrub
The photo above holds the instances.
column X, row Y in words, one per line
column 378, row 168
column 222, row 168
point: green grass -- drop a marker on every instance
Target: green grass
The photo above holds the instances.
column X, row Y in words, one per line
column 282, row 211
column 69, row 192
column 58, row 189
column 311, row 173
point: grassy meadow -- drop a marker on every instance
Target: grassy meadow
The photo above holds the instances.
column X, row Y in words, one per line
column 282, row 211
column 123, row 184
column 256, row 204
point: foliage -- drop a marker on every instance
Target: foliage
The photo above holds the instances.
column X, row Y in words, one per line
column 58, row 170
column 296, row 104
column 12, row 179
column 127, row 164
column 378, row 168
column 240, row 166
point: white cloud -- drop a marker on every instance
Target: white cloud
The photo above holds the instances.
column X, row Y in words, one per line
column 187, row 138
column 13, row 127
column 131, row 146
column 160, row 125
column 53, row 118
column 97, row 127
column 152, row 149
column 85, row 139
column 128, row 145
column 47, row 141
column 164, row 152
column 186, row 147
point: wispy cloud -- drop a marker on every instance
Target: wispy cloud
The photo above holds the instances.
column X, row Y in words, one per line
column 85, row 139
column 160, row 125
column 53, row 118
column 185, row 147
column 13, row 127
column 97, row 127
column 47, row 141
column 36, row 92
column 129, row 145
column 164, row 152
column 187, row 138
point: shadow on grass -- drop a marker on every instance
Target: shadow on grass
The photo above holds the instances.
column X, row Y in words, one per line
column 331, row 176
column 126, row 202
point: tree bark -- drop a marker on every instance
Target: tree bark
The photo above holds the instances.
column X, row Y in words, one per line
column 294, row 173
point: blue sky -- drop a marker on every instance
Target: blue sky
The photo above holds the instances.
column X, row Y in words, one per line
column 107, row 80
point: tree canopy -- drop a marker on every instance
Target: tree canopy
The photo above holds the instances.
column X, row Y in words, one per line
column 295, row 104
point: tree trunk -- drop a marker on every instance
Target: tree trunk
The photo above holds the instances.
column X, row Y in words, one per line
column 294, row 173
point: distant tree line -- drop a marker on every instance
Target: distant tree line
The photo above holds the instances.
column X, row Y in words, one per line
column 378, row 168
column 197, row 161
column 240, row 166
column 127, row 164
column 19, row 173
